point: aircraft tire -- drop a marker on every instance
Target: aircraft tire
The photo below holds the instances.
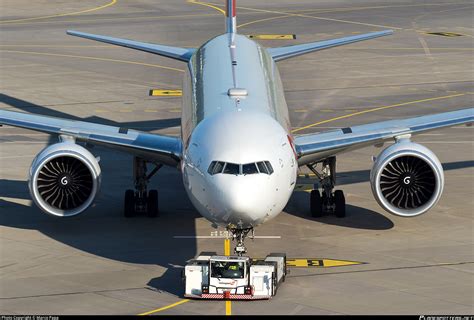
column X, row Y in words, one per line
column 316, row 204
column 340, row 202
column 129, row 204
column 152, row 204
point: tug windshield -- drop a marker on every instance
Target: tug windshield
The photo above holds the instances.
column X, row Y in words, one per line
column 227, row 269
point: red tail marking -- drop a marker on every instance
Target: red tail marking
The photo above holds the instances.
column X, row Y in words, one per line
column 230, row 5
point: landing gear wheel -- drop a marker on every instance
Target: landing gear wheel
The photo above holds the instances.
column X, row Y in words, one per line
column 129, row 204
column 316, row 204
column 325, row 201
column 152, row 204
column 340, row 202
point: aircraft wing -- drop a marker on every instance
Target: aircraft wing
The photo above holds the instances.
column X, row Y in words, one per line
column 282, row 53
column 176, row 53
column 317, row 146
column 153, row 147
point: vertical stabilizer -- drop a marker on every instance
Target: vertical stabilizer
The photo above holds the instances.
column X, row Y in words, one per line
column 231, row 21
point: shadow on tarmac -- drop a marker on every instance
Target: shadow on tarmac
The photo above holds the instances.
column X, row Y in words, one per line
column 103, row 231
column 356, row 217
column 30, row 107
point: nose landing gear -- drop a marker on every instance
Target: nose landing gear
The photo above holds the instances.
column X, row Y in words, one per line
column 328, row 201
column 239, row 236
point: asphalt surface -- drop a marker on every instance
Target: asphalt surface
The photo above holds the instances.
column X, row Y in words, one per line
column 103, row 263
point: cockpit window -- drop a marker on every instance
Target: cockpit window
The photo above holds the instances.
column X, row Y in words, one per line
column 269, row 166
column 249, row 168
column 232, row 168
column 237, row 169
column 216, row 167
column 262, row 167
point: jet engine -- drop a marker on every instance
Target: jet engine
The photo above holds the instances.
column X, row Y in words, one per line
column 64, row 179
column 407, row 179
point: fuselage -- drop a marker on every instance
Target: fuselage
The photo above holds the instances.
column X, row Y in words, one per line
column 239, row 165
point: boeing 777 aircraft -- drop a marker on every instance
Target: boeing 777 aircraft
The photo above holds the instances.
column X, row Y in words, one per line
column 237, row 155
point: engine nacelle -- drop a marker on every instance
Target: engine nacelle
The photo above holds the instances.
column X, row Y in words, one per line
column 64, row 179
column 407, row 179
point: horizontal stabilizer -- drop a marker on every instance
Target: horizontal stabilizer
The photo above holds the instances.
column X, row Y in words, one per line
column 282, row 53
column 176, row 53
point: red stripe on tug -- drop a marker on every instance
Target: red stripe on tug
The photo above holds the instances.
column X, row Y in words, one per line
column 231, row 8
column 222, row 296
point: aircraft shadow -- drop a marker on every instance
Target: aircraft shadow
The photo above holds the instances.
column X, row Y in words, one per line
column 104, row 232
column 30, row 107
column 356, row 217
column 345, row 178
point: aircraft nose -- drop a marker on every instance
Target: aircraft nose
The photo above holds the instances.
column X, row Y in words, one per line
column 247, row 201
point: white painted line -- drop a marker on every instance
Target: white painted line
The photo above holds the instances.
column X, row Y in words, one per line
column 447, row 142
column 24, row 134
column 222, row 237
column 431, row 134
column 17, row 200
column 23, row 156
column 24, row 142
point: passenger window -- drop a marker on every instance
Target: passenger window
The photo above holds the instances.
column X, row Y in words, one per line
column 232, row 168
column 249, row 168
column 269, row 166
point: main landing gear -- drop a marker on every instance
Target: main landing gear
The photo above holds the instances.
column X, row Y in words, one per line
column 328, row 201
column 141, row 200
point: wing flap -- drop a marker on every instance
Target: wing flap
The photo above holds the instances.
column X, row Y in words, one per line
column 282, row 53
column 160, row 148
column 176, row 53
column 317, row 146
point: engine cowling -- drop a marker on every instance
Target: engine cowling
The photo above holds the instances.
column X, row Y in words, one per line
column 64, row 179
column 407, row 179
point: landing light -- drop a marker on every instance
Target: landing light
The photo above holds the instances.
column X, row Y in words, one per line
column 237, row 92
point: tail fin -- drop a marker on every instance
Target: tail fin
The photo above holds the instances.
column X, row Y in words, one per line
column 231, row 20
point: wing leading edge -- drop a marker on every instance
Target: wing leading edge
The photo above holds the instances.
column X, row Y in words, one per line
column 282, row 53
column 159, row 148
column 176, row 53
column 317, row 146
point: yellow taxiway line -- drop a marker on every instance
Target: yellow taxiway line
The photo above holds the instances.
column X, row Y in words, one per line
column 227, row 247
column 61, row 14
column 228, row 303
column 228, row 308
column 164, row 308
column 207, row 5
column 375, row 109
column 91, row 58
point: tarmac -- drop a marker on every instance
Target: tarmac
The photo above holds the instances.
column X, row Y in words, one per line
column 102, row 263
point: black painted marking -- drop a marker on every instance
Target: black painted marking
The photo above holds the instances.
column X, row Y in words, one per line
column 445, row 34
column 346, row 130
column 123, row 130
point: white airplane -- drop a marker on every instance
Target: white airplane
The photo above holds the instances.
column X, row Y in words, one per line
column 237, row 155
